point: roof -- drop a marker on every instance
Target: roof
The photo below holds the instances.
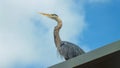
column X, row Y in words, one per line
column 104, row 57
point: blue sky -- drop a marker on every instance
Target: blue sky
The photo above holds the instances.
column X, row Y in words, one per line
column 103, row 23
column 26, row 38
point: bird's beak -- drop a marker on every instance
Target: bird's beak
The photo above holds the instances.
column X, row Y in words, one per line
column 45, row 14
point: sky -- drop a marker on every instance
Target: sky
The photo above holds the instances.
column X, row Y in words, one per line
column 26, row 37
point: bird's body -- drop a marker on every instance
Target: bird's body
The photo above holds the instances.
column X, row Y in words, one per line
column 69, row 50
column 66, row 49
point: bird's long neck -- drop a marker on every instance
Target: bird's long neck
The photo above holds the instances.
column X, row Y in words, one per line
column 57, row 28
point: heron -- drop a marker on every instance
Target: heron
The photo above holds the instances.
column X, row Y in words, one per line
column 66, row 49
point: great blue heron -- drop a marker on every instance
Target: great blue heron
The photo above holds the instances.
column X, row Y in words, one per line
column 66, row 49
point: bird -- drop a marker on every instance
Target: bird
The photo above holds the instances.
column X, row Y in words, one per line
column 66, row 49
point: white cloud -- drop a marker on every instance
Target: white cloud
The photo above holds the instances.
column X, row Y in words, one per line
column 21, row 41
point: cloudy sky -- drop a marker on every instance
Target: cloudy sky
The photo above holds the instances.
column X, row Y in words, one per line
column 26, row 38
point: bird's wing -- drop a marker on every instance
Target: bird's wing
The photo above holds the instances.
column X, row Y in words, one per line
column 70, row 50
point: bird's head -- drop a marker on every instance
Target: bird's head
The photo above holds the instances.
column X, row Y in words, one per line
column 51, row 16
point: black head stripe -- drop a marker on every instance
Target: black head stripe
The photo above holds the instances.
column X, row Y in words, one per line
column 54, row 15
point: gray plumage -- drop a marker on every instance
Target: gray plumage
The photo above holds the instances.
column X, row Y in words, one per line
column 69, row 50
